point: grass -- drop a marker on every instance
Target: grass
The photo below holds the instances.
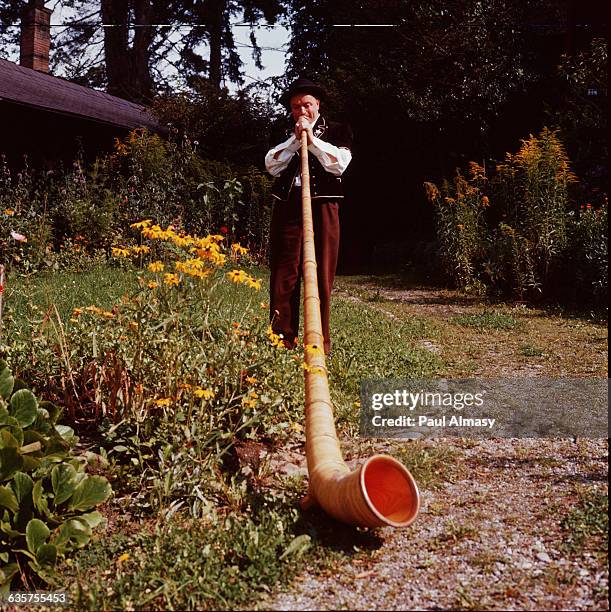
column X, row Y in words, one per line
column 529, row 350
column 430, row 463
column 587, row 524
column 231, row 558
column 489, row 320
column 203, row 564
column 102, row 285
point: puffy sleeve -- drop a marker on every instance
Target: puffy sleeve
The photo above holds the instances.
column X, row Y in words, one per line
column 332, row 158
column 287, row 149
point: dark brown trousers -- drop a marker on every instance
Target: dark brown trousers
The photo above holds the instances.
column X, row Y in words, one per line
column 286, row 263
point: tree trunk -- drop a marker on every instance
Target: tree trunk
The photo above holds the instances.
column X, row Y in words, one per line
column 128, row 67
column 217, row 12
column 115, row 13
column 142, row 83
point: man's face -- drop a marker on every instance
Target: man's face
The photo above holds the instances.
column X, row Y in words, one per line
column 305, row 105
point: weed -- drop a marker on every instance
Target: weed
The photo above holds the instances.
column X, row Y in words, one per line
column 489, row 320
column 430, row 465
column 587, row 524
column 529, row 350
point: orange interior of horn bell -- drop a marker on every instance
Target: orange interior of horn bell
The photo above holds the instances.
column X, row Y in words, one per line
column 391, row 489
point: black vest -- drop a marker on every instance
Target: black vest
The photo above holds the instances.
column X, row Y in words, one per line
column 323, row 184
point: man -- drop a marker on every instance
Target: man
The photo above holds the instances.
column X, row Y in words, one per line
column 329, row 155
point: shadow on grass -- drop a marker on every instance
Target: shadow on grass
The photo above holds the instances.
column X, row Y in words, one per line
column 335, row 536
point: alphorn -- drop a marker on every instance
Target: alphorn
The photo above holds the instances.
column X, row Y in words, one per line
column 381, row 491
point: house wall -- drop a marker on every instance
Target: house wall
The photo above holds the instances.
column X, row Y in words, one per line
column 51, row 139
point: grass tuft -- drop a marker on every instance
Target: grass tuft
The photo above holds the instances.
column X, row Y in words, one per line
column 489, row 320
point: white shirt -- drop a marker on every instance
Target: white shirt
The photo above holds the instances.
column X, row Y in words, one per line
column 319, row 148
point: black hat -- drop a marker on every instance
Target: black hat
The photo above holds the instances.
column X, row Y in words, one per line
column 303, row 86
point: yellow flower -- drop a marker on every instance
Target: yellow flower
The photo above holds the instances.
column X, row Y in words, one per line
column 460, row 226
column 94, row 309
column 253, row 284
column 276, row 339
column 123, row 557
column 153, row 285
column 238, row 249
column 251, row 379
column 133, row 325
column 236, row 276
column 204, row 393
column 107, row 314
column 9, row 211
column 249, row 403
column 77, row 311
column 141, row 224
column 170, row 279
column 156, row 266
column 141, row 249
column 163, row 402
column 120, row 252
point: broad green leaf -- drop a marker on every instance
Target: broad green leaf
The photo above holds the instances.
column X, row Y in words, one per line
column 52, row 410
column 93, row 519
column 8, row 440
column 298, row 546
column 72, row 534
column 47, row 554
column 6, row 528
column 63, row 481
column 67, row 433
column 3, row 412
column 8, row 499
column 36, row 534
column 90, row 492
column 39, row 499
column 10, row 462
column 22, row 485
column 30, row 463
column 30, row 435
column 24, row 407
column 6, row 574
column 7, row 381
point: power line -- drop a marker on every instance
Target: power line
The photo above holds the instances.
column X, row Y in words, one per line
column 92, row 24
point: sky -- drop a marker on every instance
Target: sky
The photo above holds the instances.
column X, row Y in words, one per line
column 270, row 39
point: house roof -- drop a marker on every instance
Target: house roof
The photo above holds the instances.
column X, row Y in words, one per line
column 39, row 90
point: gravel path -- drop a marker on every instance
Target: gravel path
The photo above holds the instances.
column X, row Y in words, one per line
column 490, row 534
column 490, row 539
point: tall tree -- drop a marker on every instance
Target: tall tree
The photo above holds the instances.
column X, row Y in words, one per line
column 131, row 46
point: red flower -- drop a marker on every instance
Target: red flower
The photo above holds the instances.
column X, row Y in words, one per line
column 588, row 205
column 224, row 229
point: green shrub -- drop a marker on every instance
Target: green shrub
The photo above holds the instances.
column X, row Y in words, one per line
column 187, row 364
column 144, row 177
column 532, row 245
column 461, row 229
column 46, row 497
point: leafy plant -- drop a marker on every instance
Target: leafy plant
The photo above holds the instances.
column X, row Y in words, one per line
column 46, row 498
column 461, row 229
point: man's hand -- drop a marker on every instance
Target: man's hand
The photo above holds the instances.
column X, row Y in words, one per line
column 301, row 125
